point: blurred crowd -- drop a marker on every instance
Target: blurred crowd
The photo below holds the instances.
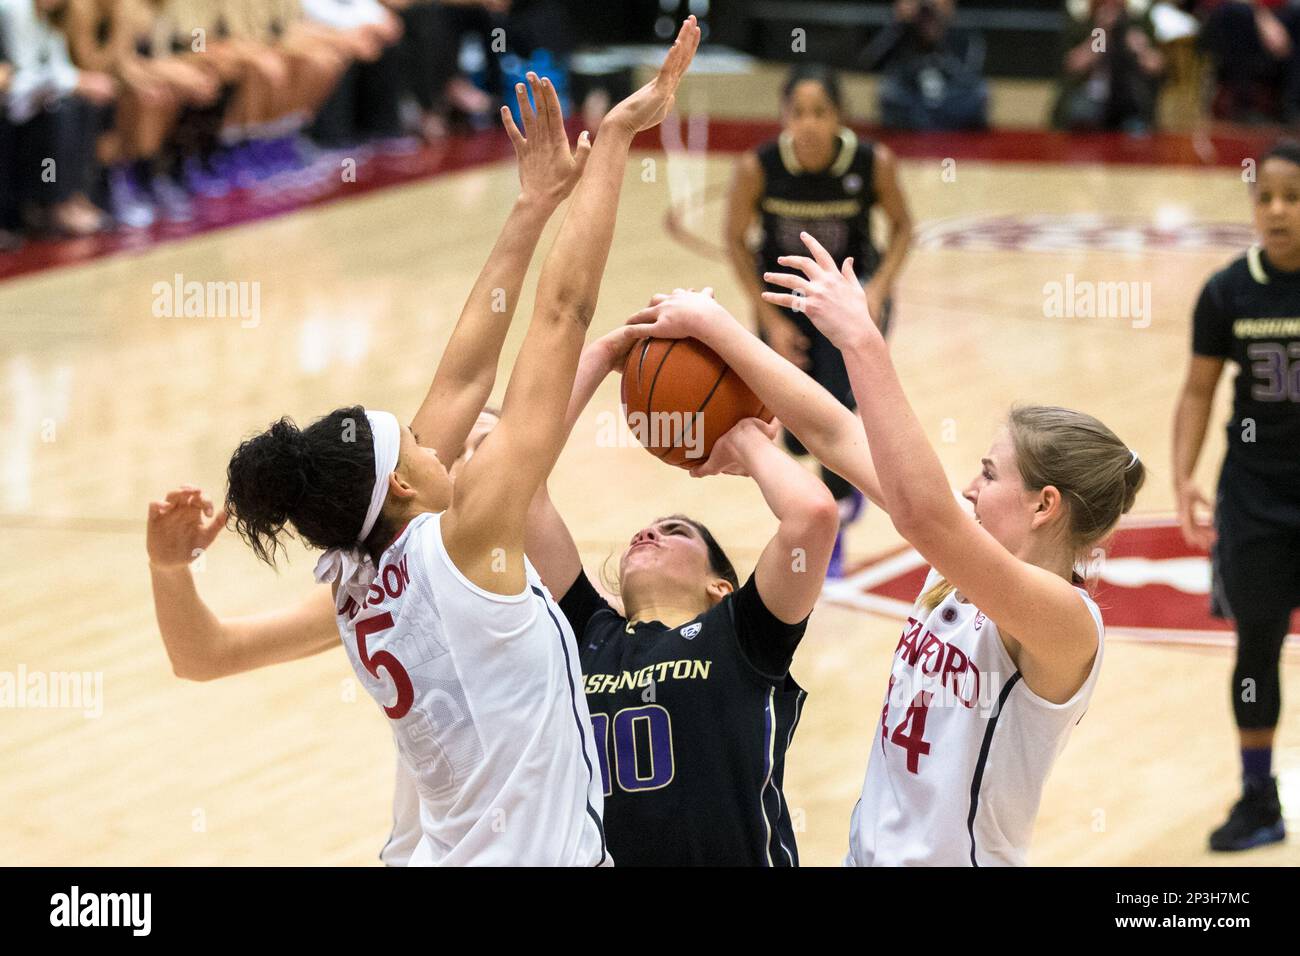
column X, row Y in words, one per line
column 119, row 113
column 1250, row 48
column 1114, row 62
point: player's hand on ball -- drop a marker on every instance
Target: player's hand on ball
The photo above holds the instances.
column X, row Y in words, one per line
column 614, row 346
column 1197, row 533
column 181, row 527
column 647, row 107
column 548, row 169
column 684, row 313
column 830, row 297
column 727, row 457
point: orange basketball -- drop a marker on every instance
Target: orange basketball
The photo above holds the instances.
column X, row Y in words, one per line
column 679, row 398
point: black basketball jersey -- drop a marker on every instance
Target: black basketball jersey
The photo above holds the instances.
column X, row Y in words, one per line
column 1249, row 312
column 833, row 205
column 692, row 724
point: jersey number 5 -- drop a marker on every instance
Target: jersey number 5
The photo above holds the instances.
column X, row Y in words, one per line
column 385, row 660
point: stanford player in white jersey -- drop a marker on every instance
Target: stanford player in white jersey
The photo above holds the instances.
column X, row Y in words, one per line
column 489, row 680
column 1003, row 649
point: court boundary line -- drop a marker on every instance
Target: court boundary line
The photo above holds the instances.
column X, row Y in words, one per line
column 849, row 592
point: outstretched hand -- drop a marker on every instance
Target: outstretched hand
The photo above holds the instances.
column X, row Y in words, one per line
column 647, row 107
column 177, row 532
column 548, row 170
column 830, row 297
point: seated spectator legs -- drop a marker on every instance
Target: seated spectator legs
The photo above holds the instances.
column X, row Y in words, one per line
column 55, row 162
column 146, row 111
column 190, row 88
column 9, row 227
column 379, row 95
column 316, row 65
column 455, row 91
column 422, row 75
column 262, row 91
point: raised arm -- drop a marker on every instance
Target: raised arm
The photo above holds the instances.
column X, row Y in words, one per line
column 547, row 541
column 466, row 373
column 486, row 521
column 1036, row 607
column 201, row 645
column 792, row 568
column 831, row 432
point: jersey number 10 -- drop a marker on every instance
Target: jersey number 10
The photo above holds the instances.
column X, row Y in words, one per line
column 635, row 769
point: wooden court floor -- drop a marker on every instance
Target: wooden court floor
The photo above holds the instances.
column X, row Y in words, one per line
column 105, row 405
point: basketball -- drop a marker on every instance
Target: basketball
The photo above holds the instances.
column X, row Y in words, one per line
column 679, row 398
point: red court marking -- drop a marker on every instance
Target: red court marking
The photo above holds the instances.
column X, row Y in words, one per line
column 466, row 151
column 1145, row 554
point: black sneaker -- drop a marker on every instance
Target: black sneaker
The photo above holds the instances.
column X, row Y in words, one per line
column 1255, row 820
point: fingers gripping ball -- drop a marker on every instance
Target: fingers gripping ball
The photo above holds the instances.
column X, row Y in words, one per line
column 679, row 398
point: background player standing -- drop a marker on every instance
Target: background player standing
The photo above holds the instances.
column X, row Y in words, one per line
column 817, row 177
column 1249, row 313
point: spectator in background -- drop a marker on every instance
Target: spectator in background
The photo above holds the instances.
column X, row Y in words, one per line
column 1255, row 48
column 933, row 72
column 52, row 107
column 1112, row 68
column 442, row 90
column 366, row 102
column 116, row 37
column 9, row 237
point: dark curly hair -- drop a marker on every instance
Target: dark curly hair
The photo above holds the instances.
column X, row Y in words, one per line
column 317, row 479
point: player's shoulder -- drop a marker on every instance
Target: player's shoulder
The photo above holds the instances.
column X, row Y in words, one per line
column 1237, row 274
column 766, row 158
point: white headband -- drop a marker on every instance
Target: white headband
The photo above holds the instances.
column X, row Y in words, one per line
column 352, row 567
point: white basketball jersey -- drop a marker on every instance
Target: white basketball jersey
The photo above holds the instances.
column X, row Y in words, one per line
column 484, row 695
column 962, row 748
column 406, row 819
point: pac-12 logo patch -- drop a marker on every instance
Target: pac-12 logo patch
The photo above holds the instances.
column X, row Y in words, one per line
column 690, row 630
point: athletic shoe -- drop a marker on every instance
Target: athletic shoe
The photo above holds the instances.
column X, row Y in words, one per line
column 128, row 203
column 173, row 202
column 198, row 180
column 1255, row 820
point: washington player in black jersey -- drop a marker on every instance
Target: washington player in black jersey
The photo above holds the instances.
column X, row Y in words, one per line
column 817, row 177
column 688, row 684
column 1249, row 313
